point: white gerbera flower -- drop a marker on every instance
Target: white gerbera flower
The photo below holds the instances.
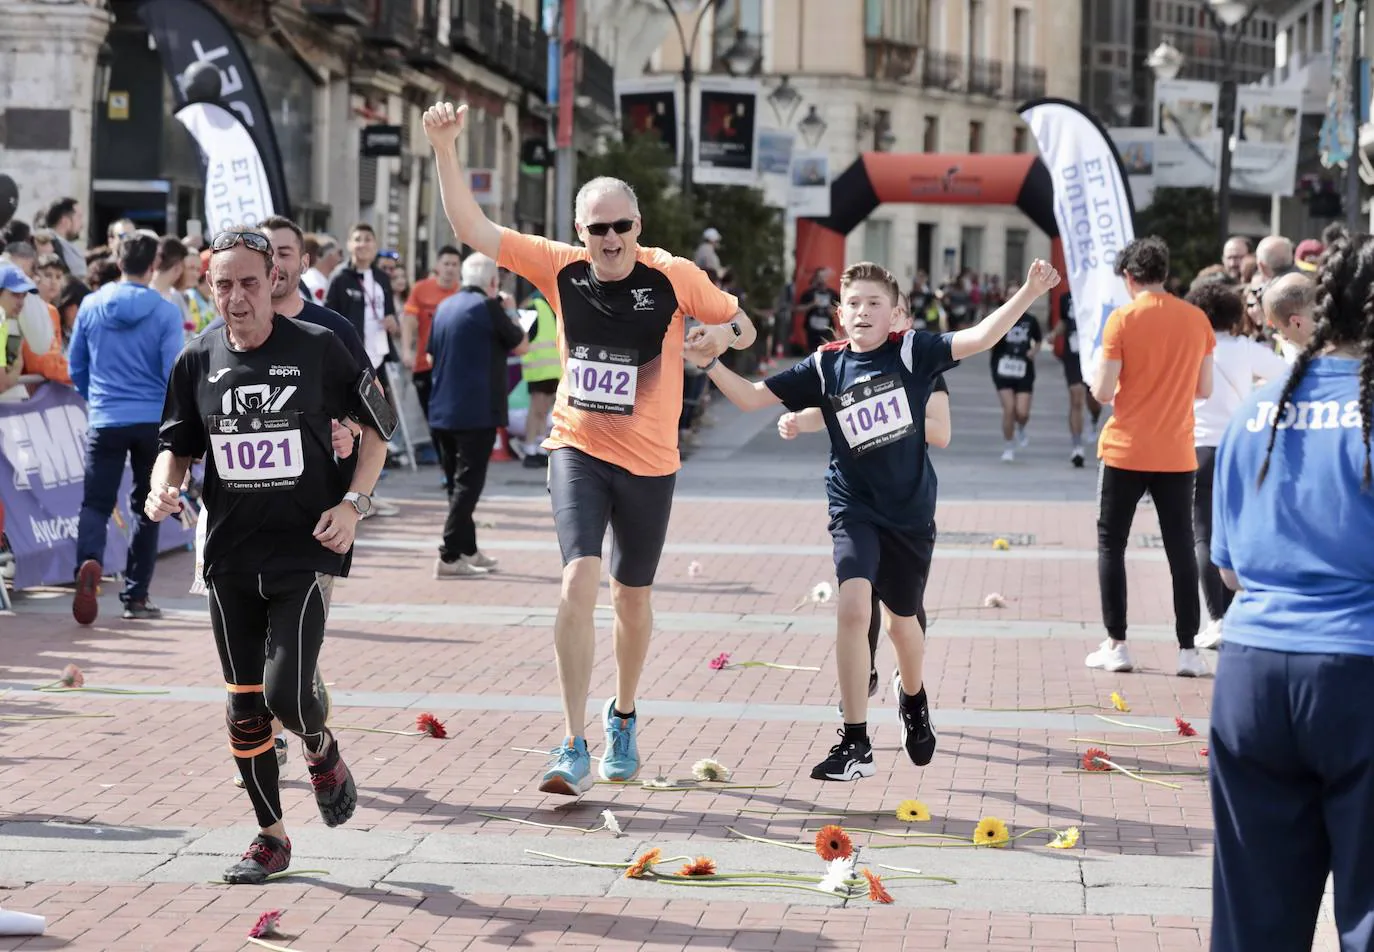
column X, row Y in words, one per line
column 837, row 874
column 822, row 593
column 612, row 824
column 708, row 769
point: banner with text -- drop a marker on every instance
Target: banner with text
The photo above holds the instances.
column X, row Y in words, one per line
column 649, row 107
column 1268, row 124
column 236, row 187
column 1092, row 206
column 1187, row 140
column 726, row 139
column 42, row 476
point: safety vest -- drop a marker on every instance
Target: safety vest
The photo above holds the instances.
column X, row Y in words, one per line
column 541, row 361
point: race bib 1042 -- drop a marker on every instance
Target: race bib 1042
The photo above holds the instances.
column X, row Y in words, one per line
column 601, row 379
column 874, row 413
column 258, row 452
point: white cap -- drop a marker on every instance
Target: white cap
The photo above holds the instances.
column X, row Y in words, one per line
column 710, row 234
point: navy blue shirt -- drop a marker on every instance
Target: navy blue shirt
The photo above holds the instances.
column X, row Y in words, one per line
column 323, row 317
column 469, row 340
column 874, row 407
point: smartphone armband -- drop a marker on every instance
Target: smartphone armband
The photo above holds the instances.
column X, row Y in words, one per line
column 374, row 410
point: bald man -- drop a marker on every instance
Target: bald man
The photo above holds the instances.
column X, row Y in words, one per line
column 1288, row 304
column 1274, row 257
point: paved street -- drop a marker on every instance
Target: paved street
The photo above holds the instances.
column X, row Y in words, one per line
column 114, row 825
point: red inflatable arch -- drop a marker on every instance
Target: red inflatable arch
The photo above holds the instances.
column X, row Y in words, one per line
column 1019, row 179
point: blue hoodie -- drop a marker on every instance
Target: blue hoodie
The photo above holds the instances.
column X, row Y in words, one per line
column 124, row 343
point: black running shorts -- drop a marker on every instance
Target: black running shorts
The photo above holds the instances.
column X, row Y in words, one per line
column 589, row 494
column 1073, row 369
column 897, row 563
column 1024, row 384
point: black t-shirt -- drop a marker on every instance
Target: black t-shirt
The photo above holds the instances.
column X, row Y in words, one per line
column 262, row 419
column 1011, row 354
column 874, row 407
column 323, row 317
column 819, row 304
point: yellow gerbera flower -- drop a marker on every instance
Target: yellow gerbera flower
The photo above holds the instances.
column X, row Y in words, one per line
column 912, row 811
column 991, row 832
column 1119, row 703
column 1066, row 840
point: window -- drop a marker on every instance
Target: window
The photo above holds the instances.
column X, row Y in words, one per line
column 976, row 32
column 731, row 17
column 1018, row 139
column 1016, row 253
column 897, row 21
column 975, row 136
column 971, row 248
column 1020, row 36
column 878, row 241
column 930, row 135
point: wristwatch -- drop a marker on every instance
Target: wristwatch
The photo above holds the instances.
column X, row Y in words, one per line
column 711, row 366
column 362, row 502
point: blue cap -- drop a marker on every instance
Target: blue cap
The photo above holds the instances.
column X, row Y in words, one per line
column 12, row 279
column 389, row 253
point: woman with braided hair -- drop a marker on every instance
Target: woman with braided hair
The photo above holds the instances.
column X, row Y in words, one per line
column 1292, row 732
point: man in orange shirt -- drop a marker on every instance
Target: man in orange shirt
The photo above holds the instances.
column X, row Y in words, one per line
column 613, row 451
column 418, row 318
column 1156, row 359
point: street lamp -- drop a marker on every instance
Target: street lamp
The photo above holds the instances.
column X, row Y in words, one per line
column 1165, row 60
column 104, row 64
column 1229, row 18
column 742, row 58
column 784, row 99
column 812, row 127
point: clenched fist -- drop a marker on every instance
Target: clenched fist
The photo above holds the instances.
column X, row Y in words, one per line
column 444, row 122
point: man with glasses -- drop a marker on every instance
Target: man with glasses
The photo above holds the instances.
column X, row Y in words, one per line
column 614, row 447
column 257, row 399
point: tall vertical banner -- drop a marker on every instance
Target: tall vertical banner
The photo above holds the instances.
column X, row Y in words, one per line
column 1336, row 140
column 567, row 74
column 649, row 107
column 726, row 138
column 206, row 63
column 1094, row 212
column 1187, row 139
column 237, row 191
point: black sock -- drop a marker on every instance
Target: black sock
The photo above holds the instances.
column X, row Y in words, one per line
column 616, row 712
column 856, row 733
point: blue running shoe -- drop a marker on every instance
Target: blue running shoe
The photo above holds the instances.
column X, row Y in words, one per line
column 620, row 762
column 570, row 769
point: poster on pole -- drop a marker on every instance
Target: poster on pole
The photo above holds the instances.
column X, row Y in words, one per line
column 726, row 131
column 810, row 194
column 775, row 165
column 1187, row 139
column 1268, row 124
column 1136, row 146
column 649, row 106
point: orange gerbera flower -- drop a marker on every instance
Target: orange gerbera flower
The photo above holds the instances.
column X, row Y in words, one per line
column 1184, row 728
column 832, row 842
column 701, row 866
column 644, row 864
column 1093, row 757
column 431, row 725
column 876, row 891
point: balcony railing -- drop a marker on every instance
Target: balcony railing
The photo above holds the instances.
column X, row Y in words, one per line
column 342, row 12
column 507, row 58
column 985, row 77
column 943, row 71
column 889, row 60
column 596, row 79
column 532, row 56
column 488, row 28
column 464, row 34
column 1028, row 82
column 393, row 24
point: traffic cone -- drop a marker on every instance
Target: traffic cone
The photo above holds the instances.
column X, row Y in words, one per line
column 501, row 451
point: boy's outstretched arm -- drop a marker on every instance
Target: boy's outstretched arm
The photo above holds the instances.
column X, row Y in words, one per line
column 991, row 329
column 743, row 394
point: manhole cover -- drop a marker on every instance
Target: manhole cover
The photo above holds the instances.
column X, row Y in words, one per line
column 984, row 538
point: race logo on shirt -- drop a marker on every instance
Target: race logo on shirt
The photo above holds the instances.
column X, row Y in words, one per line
column 256, row 398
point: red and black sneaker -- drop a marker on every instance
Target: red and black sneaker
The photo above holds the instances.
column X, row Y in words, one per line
column 265, row 855
column 86, row 603
column 335, row 793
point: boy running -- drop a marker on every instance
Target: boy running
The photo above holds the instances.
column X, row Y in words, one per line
column 872, row 389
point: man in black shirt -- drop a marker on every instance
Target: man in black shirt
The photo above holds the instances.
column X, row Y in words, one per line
column 258, row 400
column 817, row 304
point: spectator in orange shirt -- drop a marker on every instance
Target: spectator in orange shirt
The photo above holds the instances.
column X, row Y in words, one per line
column 50, row 271
column 418, row 317
column 1156, row 360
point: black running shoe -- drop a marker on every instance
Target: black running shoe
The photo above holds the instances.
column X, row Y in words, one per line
column 335, row 794
column 142, row 610
column 918, row 736
column 872, row 689
column 847, row 761
column 266, row 855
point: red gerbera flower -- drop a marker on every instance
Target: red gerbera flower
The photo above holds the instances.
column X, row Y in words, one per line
column 72, row 677
column 1093, row 759
column 266, row 925
column 701, row 866
column 876, row 892
column 1202, row 751
column 431, row 725
column 720, row 662
column 1184, row 728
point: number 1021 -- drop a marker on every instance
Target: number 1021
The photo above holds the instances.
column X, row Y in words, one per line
column 255, row 455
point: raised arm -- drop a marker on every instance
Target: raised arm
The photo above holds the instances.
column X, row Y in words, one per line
column 981, row 336
column 443, row 124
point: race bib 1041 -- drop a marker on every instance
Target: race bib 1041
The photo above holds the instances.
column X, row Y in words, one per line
column 874, row 413
column 601, row 379
column 258, row 452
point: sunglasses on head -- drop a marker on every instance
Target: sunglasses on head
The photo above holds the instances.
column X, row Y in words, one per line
column 600, row 228
column 251, row 240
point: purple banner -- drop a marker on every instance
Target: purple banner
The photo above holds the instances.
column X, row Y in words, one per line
column 42, row 474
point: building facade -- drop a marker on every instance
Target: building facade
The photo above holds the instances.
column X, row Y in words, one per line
column 897, row 76
column 330, row 70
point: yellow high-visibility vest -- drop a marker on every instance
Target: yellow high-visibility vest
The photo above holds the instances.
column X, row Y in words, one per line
column 541, row 361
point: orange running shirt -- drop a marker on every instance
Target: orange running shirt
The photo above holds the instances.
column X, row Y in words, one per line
column 620, row 395
column 423, row 301
column 1161, row 342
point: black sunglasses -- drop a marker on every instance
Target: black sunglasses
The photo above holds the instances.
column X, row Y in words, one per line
column 600, row 228
column 251, row 240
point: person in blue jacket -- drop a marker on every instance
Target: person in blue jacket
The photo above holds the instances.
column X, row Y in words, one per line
column 1292, row 733
column 124, row 343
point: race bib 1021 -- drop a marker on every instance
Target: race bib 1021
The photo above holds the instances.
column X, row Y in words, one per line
column 601, row 379
column 874, row 413
column 257, row 452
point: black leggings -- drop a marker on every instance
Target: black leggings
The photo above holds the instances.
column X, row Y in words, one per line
column 1214, row 591
column 1118, row 493
column 269, row 629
